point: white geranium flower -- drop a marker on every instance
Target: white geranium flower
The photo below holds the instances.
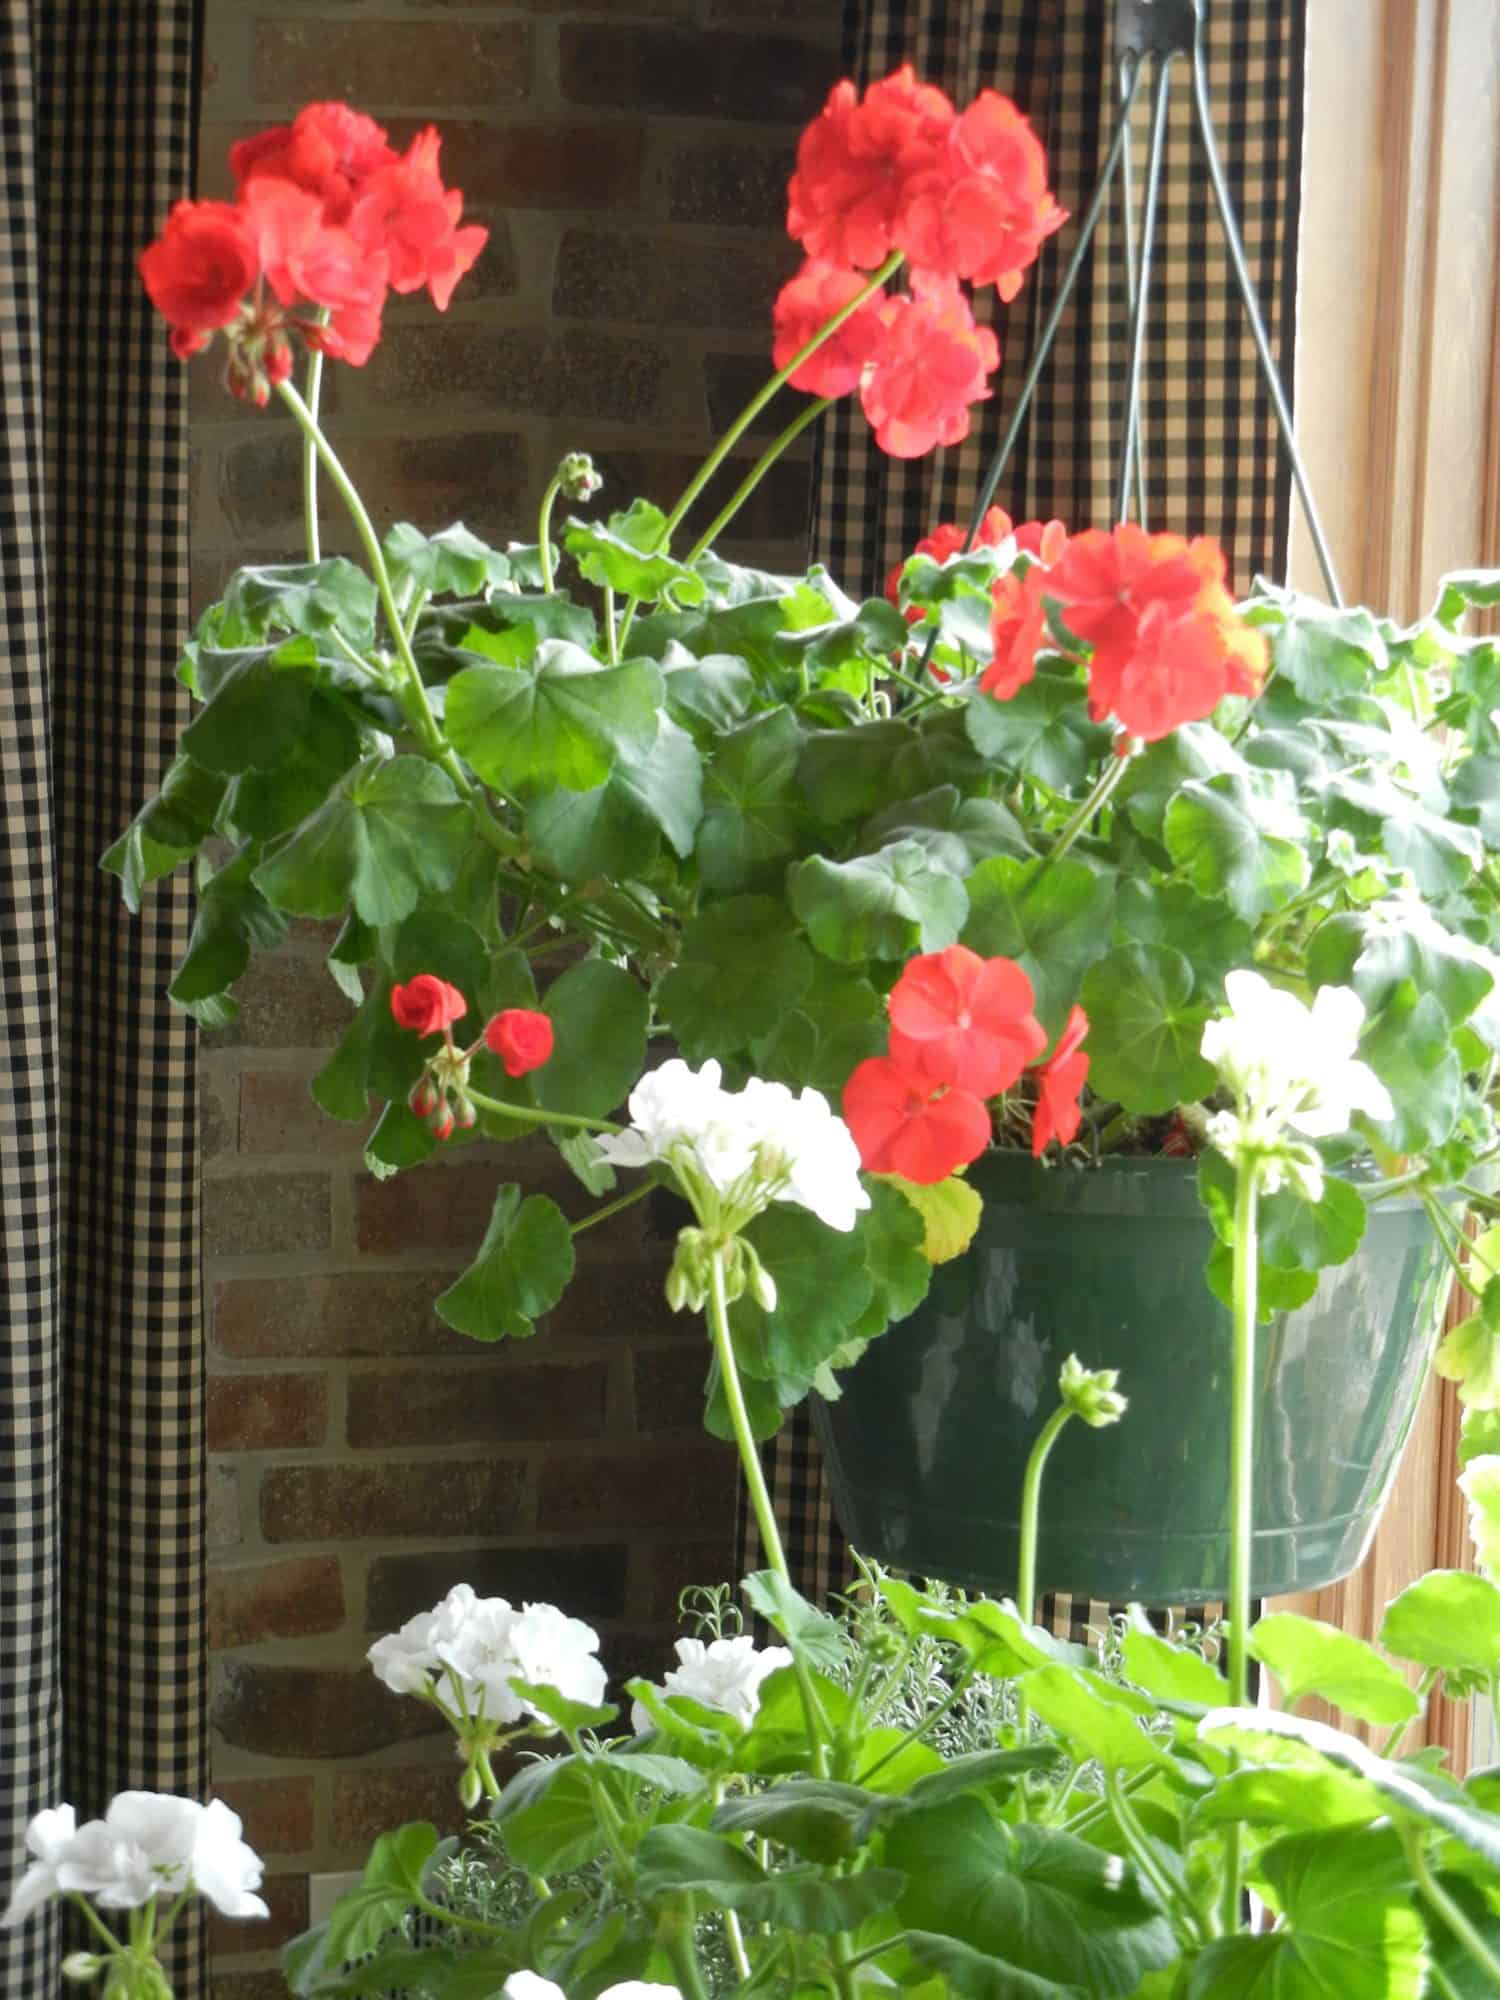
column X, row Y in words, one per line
column 1292, row 1068
column 143, row 1846
column 724, row 1674
column 406, row 1660
column 671, row 1107
column 815, row 1147
column 48, row 1838
column 479, row 1652
column 553, row 1650
column 225, row 1868
column 532, row 1986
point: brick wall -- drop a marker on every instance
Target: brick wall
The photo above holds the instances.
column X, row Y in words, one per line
column 629, row 157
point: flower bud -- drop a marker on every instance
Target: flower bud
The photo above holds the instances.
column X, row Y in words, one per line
column 465, row 1113
column 440, row 1124
column 1090, row 1393
column 577, row 477
column 82, row 1967
column 424, row 1099
column 470, row 1788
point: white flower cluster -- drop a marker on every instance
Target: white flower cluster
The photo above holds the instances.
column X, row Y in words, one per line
column 1292, row 1068
column 747, row 1147
column 532, row 1986
column 147, row 1844
column 724, row 1674
column 476, row 1646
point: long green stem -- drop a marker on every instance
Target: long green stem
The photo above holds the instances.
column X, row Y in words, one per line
column 755, row 475
column 1424, row 1688
column 758, row 402
column 534, row 1115
column 674, row 1932
column 309, row 450
column 1241, row 1482
column 612, row 1207
column 1096, row 798
column 1137, row 1840
column 1449, row 1911
column 918, row 1731
column 760, row 1498
column 1031, row 1509
column 96, row 1922
column 1439, row 1221
column 544, row 531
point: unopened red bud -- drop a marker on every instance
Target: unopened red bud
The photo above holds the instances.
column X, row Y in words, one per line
column 465, row 1113
column 424, row 1097
column 440, row 1124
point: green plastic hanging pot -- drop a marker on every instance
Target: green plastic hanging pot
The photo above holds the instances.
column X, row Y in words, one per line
column 928, row 1445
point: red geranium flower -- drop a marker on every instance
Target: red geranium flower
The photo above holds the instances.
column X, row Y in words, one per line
column 328, row 150
column 904, row 1124
column 200, row 268
column 947, row 539
column 986, row 211
column 1043, row 540
column 521, row 1037
column 405, row 211
column 806, row 303
column 1018, row 628
column 308, row 260
column 931, row 367
column 427, row 1003
column 960, row 1019
column 857, row 162
column 1060, row 1078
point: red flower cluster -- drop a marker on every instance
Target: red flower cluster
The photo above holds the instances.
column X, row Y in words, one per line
column 962, row 197
column 1165, row 644
column 962, row 1030
column 327, row 214
column 520, row 1036
column 426, row 1004
column 947, row 539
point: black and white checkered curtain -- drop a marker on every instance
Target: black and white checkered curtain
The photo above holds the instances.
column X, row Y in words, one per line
column 1211, row 457
column 101, row 1481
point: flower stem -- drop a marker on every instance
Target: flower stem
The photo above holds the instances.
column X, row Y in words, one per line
column 96, row 1922
column 309, row 449
column 1096, row 798
column 1241, row 1481
column 755, row 1481
column 757, row 472
column 674, row 1933
column 535, row 1115
column 544, row 531
column 612, row 1207
column 1031, row 1508
column 1440, row 1226
column 758, row 402
column 1449, row 1911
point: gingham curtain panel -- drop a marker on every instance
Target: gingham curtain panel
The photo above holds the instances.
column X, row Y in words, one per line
column 101, row 1477
column 1210, row 438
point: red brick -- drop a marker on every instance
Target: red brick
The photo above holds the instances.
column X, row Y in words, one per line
column 768, row 78
column 436, row 1208
column 619, row 1300
column 266, row 1412
column 287, row 1001
column 224, row 1530
column 656, row 1490
column 587, row 1580
column 656, row 280
column 281, row 1600
column 249, row 1985
column 350, row 1313
column 314, row 1503
column 277, row 1812
column 216, row 1116
column 252, row 1214
column 367, row 1804
column 584, row 165
column 778, row 506
column 391, row 63
column 279, row 1115
column 474, row 366
column 487, row 1403
column 722, row 182
column 673, row 1567
column 669, row 1387
column 314, row 1711
column 286, row 1896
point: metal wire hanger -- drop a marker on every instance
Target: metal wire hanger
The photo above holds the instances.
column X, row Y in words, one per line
column 1156, row 32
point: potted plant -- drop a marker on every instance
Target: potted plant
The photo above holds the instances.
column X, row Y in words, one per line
column 1063, row 778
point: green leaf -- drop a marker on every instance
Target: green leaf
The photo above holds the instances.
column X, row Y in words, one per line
column 1291, row 1798
column 1350, row 1927
column 1206, row 931
column 815, row 1817
column 1238, row 838
column 1146, row 1024
column 838, row 1019
column 1042, row 732
column 522, row 1270
column 581, row 1151
column 562, row 722
column 265, row 803
column 342, row 1087
column 1196, row 751
column 1380, row 951
column 823, row 1285
column 232, row 920
column 1170, row 1672
column 598, row 1015
column 846, row 773
column 1466, row 1979
column 1462, row 589
column 393, row 829
column 1054, row 922
column 891, row 1234
column 452, row 561
column 950, row 1212
column 615, row 828
column 554, row 1706
column 677, row 1858
column 548, row 1817
column 1327, row 655
column 884, row 905
column 1440, row 854
column 1408, row 1044
column 741, row 965
column 755, row 817
column 1469, row 1354
column 168, row 830
column 400, row 1140
column 389, row 1887
column 816, row 1639
column 259, row 710
column 1095, row 1718
column 712, row 695
column 333, row 595
column 1479, row 1436
column 1030, row 1897
column 1447, row 1619
column 1480, row 1481
column 977, row 1976
column 958, row 832
column 1309, row 1657
column 622, row 556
